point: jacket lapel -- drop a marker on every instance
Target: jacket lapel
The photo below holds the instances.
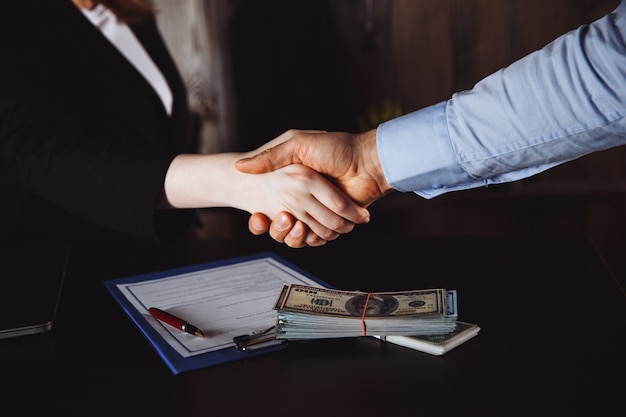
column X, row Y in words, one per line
column 93, row 43
column 149, row 36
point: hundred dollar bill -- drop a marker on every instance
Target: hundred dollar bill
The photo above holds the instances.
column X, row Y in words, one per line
column 340, row 303
column 293, row 325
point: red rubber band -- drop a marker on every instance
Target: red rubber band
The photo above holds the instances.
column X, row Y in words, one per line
column 363, row 326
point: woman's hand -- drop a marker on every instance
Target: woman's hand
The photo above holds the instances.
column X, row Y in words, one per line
column 322, row 211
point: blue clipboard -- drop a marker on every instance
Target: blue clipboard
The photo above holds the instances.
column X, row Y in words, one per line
column 176, row 362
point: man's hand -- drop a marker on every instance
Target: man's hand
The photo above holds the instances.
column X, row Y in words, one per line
column 350, row 161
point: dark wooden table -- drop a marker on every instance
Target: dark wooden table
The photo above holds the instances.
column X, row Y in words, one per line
column 553, row 337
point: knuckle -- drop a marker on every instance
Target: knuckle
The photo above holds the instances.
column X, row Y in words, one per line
column 347, row 228
column 277, row 236
column 294, row 243
column 292, row 132
column 329, row 235
column 338, row 224
column 314, row 240
column 341, row 203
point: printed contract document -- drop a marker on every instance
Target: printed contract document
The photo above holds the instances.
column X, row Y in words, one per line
column 224, row 300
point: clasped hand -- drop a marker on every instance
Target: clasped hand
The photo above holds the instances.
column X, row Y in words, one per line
column 349, row 161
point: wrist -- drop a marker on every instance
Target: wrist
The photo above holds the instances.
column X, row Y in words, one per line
column 368, row 155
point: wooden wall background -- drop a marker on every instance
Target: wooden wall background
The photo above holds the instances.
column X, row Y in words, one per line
column 255, row 68
column 196, row 32
column 259, row 67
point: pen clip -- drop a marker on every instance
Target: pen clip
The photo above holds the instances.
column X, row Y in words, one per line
column 258, row 340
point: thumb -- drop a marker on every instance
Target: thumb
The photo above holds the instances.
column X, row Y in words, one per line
column 269, row 160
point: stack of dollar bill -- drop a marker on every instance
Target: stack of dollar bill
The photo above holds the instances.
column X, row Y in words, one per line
column 313, row 313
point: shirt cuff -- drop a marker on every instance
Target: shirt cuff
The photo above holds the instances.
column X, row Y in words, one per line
column 416, row 153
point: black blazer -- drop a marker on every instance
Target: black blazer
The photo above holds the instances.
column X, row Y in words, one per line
column 82, row 133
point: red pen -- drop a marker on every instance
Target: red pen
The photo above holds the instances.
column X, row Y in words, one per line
column 174, row 321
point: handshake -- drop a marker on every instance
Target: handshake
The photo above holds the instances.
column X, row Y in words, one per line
column 349, row 162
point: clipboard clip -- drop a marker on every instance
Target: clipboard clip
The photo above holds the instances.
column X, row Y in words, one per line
column 257, row 340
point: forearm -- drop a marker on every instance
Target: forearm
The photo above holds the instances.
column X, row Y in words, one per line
column 209, row 180
column 43, row 152
column 202, row 181
column 195, row 181
column 557, row 104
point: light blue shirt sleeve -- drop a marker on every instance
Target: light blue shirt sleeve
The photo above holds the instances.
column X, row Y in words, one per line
column 552, row 106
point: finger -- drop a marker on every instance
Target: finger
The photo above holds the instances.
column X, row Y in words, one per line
column 275, row 154
column 281, row 226
column 258, row 224
column 284, row 137
column 322, row 230
column 335, row 210
column 300, row 235
column 269, row 160
column 285, row 228
column 322, row 207
column 314, row 240
column 297, row 235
